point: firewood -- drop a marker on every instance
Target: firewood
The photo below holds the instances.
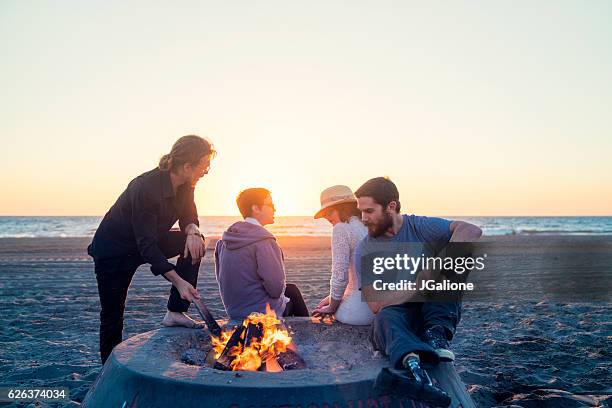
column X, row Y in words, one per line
column 271, row 365
column 254, row 333
column 290, row 360
column 227, row 355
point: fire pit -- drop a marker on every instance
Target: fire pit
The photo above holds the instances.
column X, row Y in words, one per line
column 168, row 367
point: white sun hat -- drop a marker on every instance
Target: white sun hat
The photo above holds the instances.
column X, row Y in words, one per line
column 335, row 195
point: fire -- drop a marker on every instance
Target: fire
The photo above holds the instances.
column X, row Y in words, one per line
column 252, row 351
column 249, row 360
column 220, row 342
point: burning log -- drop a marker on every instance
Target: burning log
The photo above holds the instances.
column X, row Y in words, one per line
column 254, row 334
column 231, row 349
column 271, row 365
column 250, row 357
column 290, row 360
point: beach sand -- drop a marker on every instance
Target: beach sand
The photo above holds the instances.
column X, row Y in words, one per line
column 517, row 352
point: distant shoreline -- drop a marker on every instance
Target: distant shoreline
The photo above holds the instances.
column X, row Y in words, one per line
column 303, row 242
column 310, row 215
column 86, row 226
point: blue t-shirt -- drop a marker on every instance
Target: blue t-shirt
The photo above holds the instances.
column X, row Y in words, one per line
column 419, row 229
column 431, row 230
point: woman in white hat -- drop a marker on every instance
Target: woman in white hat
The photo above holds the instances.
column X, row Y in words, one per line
column 339, row 207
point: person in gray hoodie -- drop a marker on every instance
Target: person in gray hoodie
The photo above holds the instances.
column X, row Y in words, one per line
column 249, row 263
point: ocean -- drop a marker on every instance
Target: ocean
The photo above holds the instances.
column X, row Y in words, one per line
column 85, row 226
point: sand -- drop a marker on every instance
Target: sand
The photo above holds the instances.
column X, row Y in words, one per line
column 514, row 352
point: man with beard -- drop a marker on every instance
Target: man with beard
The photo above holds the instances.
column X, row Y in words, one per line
column 410, row 333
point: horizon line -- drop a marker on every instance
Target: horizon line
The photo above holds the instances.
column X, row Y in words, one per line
column 303, row 215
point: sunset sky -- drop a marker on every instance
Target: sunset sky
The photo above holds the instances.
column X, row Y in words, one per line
column 472, row 108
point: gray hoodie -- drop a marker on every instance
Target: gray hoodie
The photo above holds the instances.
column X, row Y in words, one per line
column 250, row 271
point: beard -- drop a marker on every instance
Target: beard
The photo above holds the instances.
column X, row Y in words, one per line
column 377, row 229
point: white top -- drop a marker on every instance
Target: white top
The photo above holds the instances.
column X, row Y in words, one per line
column 253, row 221
column 345, row 237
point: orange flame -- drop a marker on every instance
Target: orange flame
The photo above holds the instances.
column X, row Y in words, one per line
column 274, row 341
column 219, row 343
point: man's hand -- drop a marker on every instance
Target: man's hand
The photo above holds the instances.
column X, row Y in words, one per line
column 194, row 244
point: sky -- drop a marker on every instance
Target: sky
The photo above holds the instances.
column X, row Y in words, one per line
column 472, row 108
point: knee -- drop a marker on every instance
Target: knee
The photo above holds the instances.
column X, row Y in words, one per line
column 194, row 268
column 186, row 265
column 291, row 290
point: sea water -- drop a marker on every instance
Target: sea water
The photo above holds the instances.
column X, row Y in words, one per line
column 85, row 226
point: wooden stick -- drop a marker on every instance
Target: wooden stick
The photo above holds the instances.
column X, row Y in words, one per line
column 210, row 321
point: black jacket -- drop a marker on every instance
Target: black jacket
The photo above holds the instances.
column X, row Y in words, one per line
column 147, row 209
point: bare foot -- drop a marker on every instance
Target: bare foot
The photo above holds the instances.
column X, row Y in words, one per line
column 173, row 319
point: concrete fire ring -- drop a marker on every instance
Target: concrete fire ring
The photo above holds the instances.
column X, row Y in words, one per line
column 149, row 370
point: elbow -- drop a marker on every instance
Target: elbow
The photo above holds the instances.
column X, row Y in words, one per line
column 476, row 232
column 275, row 291
column 468, row 232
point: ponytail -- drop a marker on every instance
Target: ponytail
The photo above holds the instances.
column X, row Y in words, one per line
column 165, row 163
column 187, row 149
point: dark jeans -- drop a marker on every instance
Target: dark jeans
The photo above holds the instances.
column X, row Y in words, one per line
column 296, row 305
column 114, row 276
column 396, row 330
